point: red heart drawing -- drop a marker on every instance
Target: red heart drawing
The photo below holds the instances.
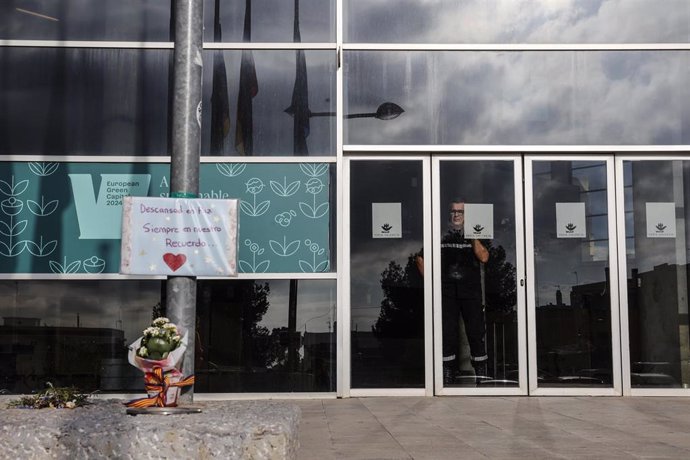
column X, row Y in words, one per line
column 174, row 261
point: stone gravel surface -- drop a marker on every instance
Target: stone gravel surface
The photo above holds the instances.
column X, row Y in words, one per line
column 224, row 429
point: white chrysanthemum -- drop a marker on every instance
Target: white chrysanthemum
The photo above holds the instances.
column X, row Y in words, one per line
column 150, row 331
column 160, row 321
column 143, row 352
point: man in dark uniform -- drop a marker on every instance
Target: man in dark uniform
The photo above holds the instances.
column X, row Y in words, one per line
column 461, row 294
column 461, row 289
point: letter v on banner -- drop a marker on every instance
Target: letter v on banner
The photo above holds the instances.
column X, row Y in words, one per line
column 100, row 217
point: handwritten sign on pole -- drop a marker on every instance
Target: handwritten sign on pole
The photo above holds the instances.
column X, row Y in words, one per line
column 179, row 236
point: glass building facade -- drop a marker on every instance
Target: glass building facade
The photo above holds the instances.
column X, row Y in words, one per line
column 437, row 198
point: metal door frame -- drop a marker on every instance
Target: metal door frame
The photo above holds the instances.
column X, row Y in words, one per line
column 521, row 389
column 616, row 389
column 348, row 391
column 628, row 390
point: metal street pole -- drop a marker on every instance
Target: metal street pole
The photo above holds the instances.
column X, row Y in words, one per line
column 186, row 147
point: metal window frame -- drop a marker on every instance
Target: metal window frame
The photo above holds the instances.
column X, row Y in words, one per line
column 342, row 177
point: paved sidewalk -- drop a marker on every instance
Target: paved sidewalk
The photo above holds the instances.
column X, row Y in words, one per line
column 495, row 427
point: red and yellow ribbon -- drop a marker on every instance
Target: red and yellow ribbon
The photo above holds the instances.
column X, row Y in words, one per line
column 159, row 382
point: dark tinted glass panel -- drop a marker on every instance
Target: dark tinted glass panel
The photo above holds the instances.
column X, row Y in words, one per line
column 572, row 288
column 478, row 282
column 387, row 292
column 269, row 103
column 511, row 21
column 270, row 20
column 513, row 98
column 73, row 333
column 266, row 336
column 83, row 101
column 658, row 238
column 131, row 20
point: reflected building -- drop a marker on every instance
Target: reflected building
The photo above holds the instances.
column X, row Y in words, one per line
column 659, row 334
column 32, row 353
column 245, row 342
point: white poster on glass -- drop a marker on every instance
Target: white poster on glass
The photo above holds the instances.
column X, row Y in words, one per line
column 570, row 220
column 661, row 220
column 386, row 220
column 479, row 221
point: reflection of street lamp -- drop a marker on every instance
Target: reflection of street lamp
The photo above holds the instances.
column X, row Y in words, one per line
column 386, row 111
column 38, row 15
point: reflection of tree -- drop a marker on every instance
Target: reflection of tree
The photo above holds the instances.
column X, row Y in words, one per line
column 157, row 311
column 241, row 353
column 500, row 284
column 277, row 353
column 256, row 349
column 402, row 307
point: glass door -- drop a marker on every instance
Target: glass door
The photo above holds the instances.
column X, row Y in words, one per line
column 573, row 323
column 479, row 313
column 388, row 327
column 654, row 242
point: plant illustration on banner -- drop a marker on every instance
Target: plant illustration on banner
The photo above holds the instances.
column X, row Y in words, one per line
column 285, row 249
column 284, row 190
column 314, row 186
column 231, row 169
column 284, row 218
column 313, row 267
column 11, row 207
column 43, row 169
column 255, row 186
column 282, row 205
column 254, row 267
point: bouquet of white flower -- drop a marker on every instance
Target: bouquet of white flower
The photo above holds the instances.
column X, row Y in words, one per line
column 158, row 353
column 159, row 340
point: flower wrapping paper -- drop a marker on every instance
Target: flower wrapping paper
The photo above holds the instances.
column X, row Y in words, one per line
column 170, row 365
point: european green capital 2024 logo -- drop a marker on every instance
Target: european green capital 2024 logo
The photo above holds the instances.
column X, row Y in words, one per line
column 100, row 216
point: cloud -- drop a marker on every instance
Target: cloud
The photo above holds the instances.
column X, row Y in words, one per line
column 521, row 98
column 517, row 21
column 101, row 304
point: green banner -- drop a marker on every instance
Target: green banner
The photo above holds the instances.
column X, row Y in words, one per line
column 66, row 217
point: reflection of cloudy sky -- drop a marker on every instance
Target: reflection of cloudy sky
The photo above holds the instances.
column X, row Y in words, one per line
column 517, row 21
column 505, row 98
column 58, row 101
column 567, row 262
column 149, row 20
column 93, row 101
column 272, row 20
column 103, row 304
column 86, row 20
column 366, row 267
column 316, row 305
column 656, row 182
column 99, row 304
column 273, row 128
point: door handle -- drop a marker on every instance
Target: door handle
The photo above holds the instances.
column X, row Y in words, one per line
column 522, row 282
